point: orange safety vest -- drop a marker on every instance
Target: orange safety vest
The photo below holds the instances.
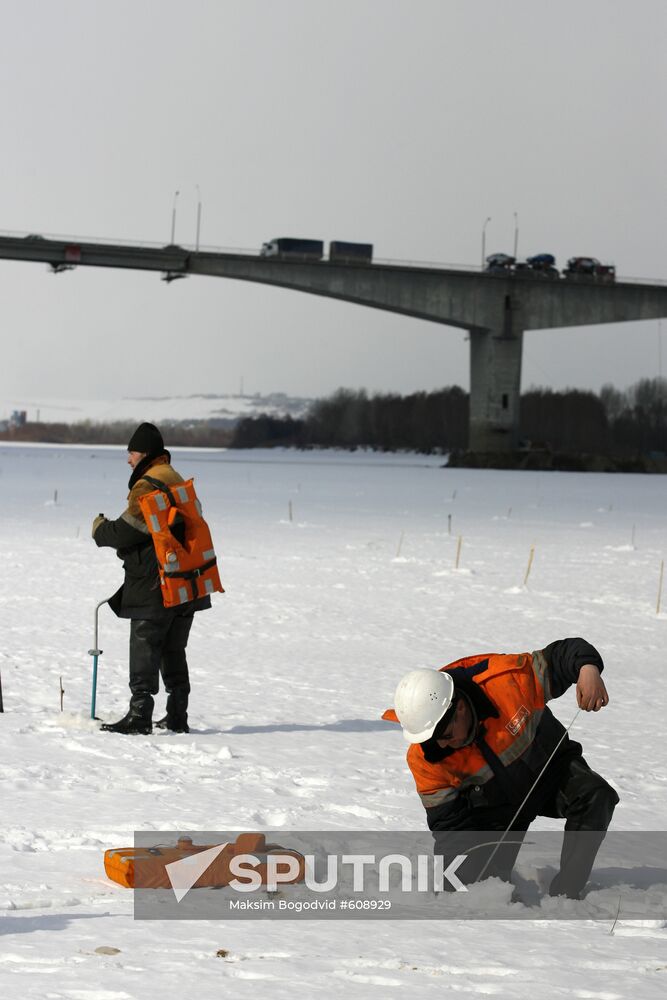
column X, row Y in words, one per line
column 518, row 686
column 188, row 570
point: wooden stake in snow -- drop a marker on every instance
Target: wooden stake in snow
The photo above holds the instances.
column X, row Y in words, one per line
column 2, row 707
column 633, row 536
column 400, row 545
column 509, row 512
column 62, row 694
column 458, row 551
column 289, row 506
column 529, row 566
column 662, row 573
column 55, row 496
column 449, row 524
column 618, row 911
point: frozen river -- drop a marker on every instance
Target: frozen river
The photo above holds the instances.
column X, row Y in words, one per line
column 340, row 576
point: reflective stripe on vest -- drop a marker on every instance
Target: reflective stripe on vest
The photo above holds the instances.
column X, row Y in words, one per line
column 480, row 777
column 189, row 570
column 438, row 798
column 540, row 667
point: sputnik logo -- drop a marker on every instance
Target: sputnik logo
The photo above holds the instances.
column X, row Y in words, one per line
column 184, row 874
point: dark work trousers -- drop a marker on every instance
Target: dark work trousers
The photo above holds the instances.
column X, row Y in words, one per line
column 157, row 647
column 576, row 794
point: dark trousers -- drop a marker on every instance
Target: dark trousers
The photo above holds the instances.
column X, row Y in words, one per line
column 576, row 794
column 157, row 648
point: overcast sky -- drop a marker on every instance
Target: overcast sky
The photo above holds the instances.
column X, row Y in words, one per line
column 403, row 123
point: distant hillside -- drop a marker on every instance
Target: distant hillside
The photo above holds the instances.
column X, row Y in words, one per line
column 220, row 410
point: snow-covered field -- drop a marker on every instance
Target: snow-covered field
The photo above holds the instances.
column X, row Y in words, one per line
column 291, row 671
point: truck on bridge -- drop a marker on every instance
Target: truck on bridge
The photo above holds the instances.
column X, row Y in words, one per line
column 285, row 246
column 352, row 253
column 339, row 251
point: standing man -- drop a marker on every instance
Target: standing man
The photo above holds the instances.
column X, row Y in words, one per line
column 158, row 635
column 487, row 754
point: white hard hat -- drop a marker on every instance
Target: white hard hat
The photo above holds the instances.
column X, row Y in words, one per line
column 422, row 698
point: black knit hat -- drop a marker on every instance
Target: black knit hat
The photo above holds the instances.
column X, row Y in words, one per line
column 146, row 439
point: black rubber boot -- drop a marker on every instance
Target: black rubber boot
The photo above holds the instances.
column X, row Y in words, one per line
column 173, row 725
column 128, row 726
column 176, row 719
column 145, row 642
column 174, row 670
column 137, row 722
column 587, row 802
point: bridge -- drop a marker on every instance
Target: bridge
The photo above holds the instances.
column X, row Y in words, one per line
column 496, row 309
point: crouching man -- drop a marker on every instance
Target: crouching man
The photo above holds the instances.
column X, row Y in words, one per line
column 487, row 754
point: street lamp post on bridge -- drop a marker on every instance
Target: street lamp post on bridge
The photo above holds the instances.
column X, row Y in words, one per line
column 484, row 241
column 173, row 217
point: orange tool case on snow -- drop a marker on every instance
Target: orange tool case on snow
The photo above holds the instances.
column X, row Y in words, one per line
column 145, row 867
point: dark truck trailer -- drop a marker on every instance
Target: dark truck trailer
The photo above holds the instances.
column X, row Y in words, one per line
column 285, row 246
column 354, row 252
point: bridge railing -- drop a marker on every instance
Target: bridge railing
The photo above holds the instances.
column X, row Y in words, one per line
column 254, row 252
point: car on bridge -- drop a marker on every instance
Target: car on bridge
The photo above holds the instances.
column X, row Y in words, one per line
column 541, row 265
column 589, row 267
column 500, row 263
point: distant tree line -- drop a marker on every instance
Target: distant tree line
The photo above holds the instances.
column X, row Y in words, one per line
column 349, row 419
column 198, row 434
column 613, row 422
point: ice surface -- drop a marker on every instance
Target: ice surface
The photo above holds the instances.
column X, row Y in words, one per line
column 291, row 672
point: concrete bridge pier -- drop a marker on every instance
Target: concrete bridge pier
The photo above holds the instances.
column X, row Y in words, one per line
column 495, row 384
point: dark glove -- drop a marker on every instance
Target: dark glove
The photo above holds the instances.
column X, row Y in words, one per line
column 97, row 522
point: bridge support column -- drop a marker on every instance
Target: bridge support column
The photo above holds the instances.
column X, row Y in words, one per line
column 495, row 381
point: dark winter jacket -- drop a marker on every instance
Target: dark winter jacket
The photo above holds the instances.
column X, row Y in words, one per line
column 487, row 797
column 140, row 595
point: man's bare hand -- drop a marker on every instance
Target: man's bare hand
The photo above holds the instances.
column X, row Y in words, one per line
column 591, row 692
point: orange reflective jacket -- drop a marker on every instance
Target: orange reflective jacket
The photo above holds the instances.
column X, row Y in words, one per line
column 183, row 546
column 518, row 687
